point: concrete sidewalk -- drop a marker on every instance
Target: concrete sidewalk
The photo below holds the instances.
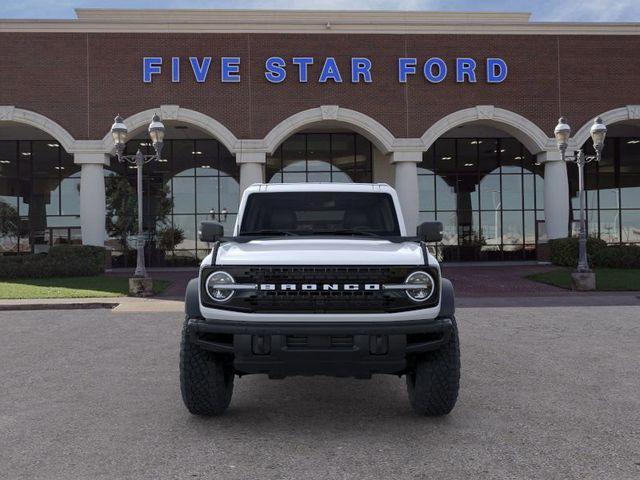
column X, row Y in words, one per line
column 117, row 304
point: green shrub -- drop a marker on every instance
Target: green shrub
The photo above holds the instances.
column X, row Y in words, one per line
column 61, row 261
column 564, row 251
column 618, row 256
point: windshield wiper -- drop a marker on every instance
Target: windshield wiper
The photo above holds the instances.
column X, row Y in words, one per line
column 268, row 231
column 350, row 231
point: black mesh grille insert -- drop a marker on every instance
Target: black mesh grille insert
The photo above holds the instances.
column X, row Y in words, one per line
column 321, row 301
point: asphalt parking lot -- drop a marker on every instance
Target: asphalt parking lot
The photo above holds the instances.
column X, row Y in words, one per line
column 546, row 393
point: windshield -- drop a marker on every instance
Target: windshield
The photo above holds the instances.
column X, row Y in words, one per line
column 320, row 213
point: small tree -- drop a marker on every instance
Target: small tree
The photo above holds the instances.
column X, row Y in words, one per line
column 122, row 209
column 9, row 221
column 169, row 237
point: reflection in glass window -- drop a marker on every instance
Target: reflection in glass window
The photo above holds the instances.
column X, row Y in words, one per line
column 490, row 197
column 39, row 195
column 612, row 190
column 201, row 179
column 183, row 195
column 512, row 229
column 207, row 194
column 610, row 225
column 70, row 195
column 445, row 195
column 321, row 157
column 512, row 192
column 488, row 193
column 630, row 225
column 426, row 187
column 630, row 196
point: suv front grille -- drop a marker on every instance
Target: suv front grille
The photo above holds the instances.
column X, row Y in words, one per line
column 319, row 301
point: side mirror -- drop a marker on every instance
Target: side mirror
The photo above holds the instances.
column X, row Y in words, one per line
column 210, row 231
column 430, row 231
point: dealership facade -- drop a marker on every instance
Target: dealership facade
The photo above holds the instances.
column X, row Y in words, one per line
column 455, row 110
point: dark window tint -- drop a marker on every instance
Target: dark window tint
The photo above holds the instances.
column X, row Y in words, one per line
column 308, row 213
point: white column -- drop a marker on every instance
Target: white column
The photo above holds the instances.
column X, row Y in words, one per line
column 406, row 184
column 556, row 194
column 92, row 197
column 251, row 168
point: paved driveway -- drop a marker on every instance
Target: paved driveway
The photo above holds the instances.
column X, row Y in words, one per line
column 546, row 393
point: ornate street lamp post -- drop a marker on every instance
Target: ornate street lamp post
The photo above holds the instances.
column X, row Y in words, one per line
column 562, row 133
column 156, row 132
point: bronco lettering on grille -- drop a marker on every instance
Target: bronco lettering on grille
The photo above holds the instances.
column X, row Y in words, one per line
column 325, row 287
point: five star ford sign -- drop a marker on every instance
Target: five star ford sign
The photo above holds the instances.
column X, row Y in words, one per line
column 305, row 69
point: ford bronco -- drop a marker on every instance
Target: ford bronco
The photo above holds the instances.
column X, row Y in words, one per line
column 320, row 279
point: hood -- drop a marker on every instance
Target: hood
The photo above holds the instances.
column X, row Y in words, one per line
column 311, row 251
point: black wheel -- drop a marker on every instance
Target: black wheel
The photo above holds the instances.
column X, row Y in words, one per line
column 206, row 382
column 433, row 384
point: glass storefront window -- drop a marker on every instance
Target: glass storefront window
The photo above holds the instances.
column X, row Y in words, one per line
column 610, row 225
column 293, row 154
column 202, row 184
column 630, row 225
column 445, row 155
column 319, row 152
column 321, row 157
column 612, row 191
column 183, row 189
column 512, row 192
column 426, row 188
column 488, row 194
column 630, row 191
column 39, row 195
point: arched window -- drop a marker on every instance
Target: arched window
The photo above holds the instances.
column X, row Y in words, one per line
column 487, row 192
column 321, row 157
column 39, row 195
column 201, row 179
column 612, row 188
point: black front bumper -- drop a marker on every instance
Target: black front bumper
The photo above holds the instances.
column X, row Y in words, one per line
column 320, row 348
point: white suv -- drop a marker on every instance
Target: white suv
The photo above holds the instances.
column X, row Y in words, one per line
column 320, row 279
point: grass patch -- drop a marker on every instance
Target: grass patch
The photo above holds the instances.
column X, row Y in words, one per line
column 607, row 279
column 70, row 287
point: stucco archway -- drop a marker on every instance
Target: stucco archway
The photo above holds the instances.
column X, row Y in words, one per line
column 178, row 114
column 373, row 130
column 527, row 132
column 9, row 113
column 629, row 112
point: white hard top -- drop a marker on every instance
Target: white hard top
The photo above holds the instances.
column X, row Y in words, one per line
column 320, row 187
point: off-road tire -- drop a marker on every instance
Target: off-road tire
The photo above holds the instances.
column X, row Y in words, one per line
column 434, row 382
column 206, row 382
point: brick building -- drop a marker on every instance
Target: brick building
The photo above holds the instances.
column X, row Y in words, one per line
column 456, row 110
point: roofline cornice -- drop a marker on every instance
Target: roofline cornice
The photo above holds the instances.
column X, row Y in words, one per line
column 311, row 22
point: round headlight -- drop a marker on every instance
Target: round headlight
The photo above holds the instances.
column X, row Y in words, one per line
column 213, row 283
column 424, row 286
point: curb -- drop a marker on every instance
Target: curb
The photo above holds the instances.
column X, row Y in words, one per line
column 58, row 306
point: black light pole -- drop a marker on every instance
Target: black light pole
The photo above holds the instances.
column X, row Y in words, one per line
column 156, row 132
column 562, row 133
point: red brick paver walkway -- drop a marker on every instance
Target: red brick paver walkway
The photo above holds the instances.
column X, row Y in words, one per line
column 499, row 281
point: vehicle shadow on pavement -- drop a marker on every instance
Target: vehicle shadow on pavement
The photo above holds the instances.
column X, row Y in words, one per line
column 319, row 402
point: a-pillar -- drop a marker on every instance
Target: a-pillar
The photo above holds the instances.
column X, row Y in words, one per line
column 406, row 184
column 92, row 196
column 251, row 168
column 556, row 194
